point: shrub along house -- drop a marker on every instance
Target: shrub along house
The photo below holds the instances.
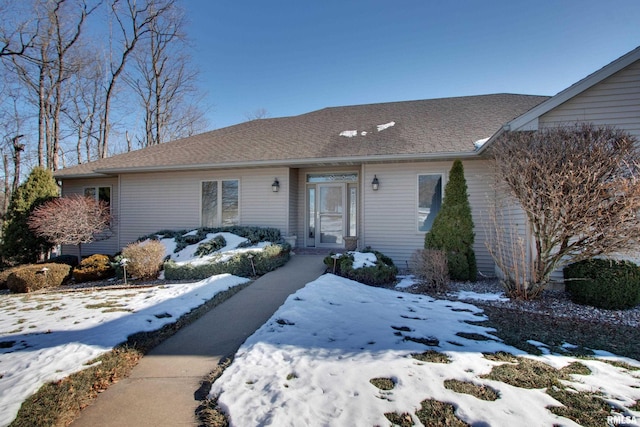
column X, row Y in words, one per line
column 375, row 172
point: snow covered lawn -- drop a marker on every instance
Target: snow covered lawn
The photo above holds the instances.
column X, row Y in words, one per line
column 312, row 362
column 46, row 337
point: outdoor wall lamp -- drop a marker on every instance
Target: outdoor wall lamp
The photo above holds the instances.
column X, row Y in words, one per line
column 375, row 183
column 275, row 187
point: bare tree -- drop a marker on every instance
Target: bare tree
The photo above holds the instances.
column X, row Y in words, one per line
column 162, row 78
column 48, row 67
column 16, row 37
column 85, row 110
column 579, row 188
column 72, row 220
column 260, row 113
column 134, row 21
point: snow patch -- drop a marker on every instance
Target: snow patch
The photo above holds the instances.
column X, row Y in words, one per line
column 349, row 133
column 470, row 295
column 385, row 126
column 479, row 143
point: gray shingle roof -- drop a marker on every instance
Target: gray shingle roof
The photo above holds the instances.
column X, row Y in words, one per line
column 422, row 128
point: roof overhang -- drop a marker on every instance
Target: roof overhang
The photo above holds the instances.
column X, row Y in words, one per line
column 325, row 161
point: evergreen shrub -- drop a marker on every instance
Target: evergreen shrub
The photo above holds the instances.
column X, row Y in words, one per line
column 33, row 277
column 268, row 259
column 20, row 245
column 603, row 283
column 452, row 230
column 210, row 246
column 381, row 274
column 144, row 260
column 95, row 267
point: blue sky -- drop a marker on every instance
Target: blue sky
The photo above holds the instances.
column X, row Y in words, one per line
column 294, row 56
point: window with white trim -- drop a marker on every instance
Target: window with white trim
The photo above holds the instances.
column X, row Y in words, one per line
column 429, row 199
column 220, row 203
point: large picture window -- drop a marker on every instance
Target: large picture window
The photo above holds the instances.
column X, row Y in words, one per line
column 429, row 199
column 220, row 203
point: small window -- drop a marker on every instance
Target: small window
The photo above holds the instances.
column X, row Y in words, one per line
column 220, row 203
column 429, row 200
column 99, row 193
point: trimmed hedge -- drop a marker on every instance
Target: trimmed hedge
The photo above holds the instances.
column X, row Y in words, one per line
column 602, row 283
column 95, row 267
column 4, row 275
column 381, row 274
column 266, row 260
column 33, row 277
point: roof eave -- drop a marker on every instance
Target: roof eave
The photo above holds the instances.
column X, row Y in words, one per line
column 575, row 89
column 283, row 163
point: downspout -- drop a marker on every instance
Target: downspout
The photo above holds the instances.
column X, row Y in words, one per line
column 118, row 222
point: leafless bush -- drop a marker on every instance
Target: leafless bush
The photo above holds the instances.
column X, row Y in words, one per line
column 579, row 188
column 429, row 266
column 507, row 246
column 144, row 259
column 72, row 220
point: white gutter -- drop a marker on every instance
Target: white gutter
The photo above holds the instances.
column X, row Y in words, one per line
column 290, row 163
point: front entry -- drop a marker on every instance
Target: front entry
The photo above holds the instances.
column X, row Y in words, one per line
column 330, row 214
column 331, row 209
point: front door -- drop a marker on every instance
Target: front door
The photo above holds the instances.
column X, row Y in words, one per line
column 331, row 220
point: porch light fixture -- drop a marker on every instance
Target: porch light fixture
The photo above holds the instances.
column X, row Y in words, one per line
column 275, row 187
column 375, row 183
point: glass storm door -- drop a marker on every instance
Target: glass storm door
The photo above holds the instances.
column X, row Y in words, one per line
column 330, row 210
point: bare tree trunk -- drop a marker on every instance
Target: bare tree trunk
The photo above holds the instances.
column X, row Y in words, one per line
column 7, row 185
column 17, row 153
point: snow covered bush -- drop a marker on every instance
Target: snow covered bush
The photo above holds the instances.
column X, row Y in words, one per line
column 244, row 264
column 33, row 277
column 381, row 272
column 95, row 267
column 603, row 283
column 429, row 266
column 185, row 238
column 144, row 260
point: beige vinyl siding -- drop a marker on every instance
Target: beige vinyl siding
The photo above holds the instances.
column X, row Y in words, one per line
column 172, row 200
column 77, row 186
column 614, row 101
column 390, row 214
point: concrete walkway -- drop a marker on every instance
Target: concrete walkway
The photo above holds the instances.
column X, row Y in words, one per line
column 161, row 388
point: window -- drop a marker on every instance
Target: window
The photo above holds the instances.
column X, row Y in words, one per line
column 429, row 200
column 99, row 193
column 220, row 203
